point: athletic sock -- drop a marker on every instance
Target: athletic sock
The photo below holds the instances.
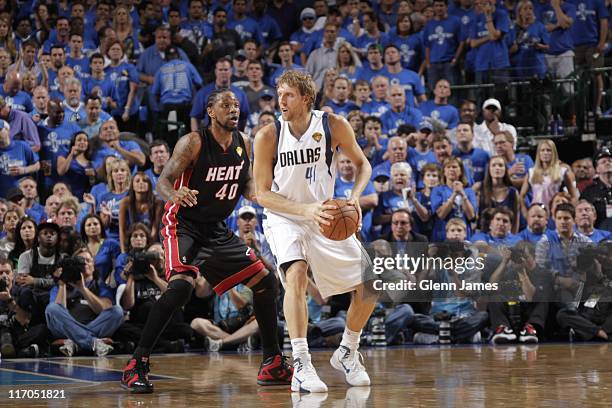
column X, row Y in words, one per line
column 299, row 346
column 177, row 295
column 350, row 339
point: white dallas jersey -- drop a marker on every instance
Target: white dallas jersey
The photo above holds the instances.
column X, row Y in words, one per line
column 305, row 168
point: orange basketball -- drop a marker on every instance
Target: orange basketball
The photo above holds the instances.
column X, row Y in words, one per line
column 345, row 222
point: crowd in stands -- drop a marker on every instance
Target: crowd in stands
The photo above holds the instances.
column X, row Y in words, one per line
column 94, row 94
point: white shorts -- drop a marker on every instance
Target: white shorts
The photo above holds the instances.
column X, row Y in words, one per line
column 337, row 266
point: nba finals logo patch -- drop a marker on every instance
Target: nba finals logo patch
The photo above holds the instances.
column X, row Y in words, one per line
column 317, row 136
column 239, row 151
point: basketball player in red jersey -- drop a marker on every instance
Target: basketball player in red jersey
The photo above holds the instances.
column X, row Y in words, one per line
column 201, row 184
column 294, row 169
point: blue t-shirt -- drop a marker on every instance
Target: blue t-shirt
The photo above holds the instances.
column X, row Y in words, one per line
column 20, row 101
column 598, row 235
column 412, row 50
column 527, row 163
column 388, row 202
column 417, row 160
column 466, row 17
column 443, row 37
column 530, row 61
column 18, row 153
column 149, row 63
column 585, row 30
column 421, row 227
column 153, row 177
column 79, row 65
column 342, row 109
column 269, row 28
column 365, row 40
column 76, row 178
column 344, row 189
column 98, row 157
column 104, row 87
column 561, row 40
column 107, row 254
column 99, row 190
column 508, row 240
column 439, row 196
column 475, row 161
column 392, row 120
column 410, row 81
column 111, row 201
column 247, row 29
column 367, row 73
column 176, row 82
column 528, row 235
column 55, row 142
column 121, row 76
column 492, row 54
column 375, row 108
column 447, row 114
column 37, row 212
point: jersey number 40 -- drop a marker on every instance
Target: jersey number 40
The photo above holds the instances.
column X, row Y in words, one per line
column 223, row 194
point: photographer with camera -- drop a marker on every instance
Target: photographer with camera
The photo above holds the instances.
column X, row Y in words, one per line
column 454, row 308
column 525, row 291
column 557, row 252
column 35, row 268
column 17, row 337
column 593, row 317
column 138, row 239
column 144, row 275
column 81, row 310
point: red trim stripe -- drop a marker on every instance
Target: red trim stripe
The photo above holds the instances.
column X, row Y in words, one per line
column 238, row 277
column 171, row 248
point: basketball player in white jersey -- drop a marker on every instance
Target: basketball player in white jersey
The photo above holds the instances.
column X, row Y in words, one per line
column 295, row 171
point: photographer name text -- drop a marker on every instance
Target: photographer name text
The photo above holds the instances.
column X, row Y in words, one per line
column 406, row 285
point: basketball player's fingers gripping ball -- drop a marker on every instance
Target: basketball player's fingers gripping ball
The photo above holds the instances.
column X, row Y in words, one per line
column 324, row 214
column 345, row 222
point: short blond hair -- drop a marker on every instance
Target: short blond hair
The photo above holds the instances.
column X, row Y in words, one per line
column 456, row 222
column 303, row 82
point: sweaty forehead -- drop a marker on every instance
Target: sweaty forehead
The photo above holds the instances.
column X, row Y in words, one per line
column 227, row 97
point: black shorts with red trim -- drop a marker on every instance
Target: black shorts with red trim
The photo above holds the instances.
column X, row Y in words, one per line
column 210, row 249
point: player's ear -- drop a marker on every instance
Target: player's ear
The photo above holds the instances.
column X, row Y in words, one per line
column 210, row 112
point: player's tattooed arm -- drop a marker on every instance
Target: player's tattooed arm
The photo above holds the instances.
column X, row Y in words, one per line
column 185, row 155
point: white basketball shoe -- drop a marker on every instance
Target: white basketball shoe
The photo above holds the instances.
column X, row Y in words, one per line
column 305, row 378
column 351, row 364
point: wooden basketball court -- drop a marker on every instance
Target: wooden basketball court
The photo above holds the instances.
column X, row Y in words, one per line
column 552, row 375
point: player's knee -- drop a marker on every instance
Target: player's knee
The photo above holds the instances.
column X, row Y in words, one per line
column 179, row 291
column 268, row 284
column 296, row 276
